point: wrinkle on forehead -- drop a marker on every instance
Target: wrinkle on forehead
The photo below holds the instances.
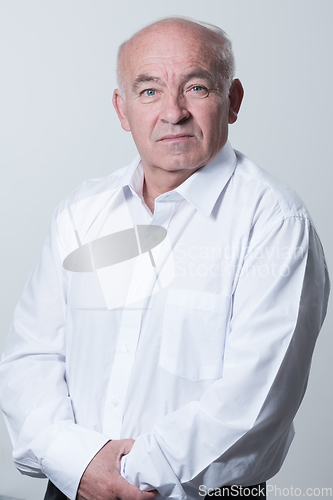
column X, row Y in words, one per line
column 168, row 41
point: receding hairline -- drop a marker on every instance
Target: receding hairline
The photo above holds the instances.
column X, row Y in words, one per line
column 219, row 41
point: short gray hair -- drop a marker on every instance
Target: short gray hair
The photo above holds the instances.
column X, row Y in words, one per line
column 220, row 44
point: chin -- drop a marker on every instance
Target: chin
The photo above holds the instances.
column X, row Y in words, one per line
column 179, row 163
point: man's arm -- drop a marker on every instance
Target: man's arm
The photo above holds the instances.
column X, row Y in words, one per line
column 278, row 306
column 102, row 480
column 34, row 394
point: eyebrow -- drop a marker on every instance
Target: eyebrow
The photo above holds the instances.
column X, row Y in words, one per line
column 197, row 73
column 144, row 78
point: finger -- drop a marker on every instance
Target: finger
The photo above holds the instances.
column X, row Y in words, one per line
column 149, row 495
column 127, row 491
column 127, row 446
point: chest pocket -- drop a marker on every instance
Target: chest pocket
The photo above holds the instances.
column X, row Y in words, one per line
column 194, row 330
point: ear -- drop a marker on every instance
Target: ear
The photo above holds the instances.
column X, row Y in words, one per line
column 120, row 107
column 236, row 94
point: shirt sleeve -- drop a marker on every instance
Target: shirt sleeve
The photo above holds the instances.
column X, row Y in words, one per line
column 33, row 390
column 227, row 437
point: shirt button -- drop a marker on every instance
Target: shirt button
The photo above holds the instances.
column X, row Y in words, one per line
column 115, row 402
column 126, row 348
column 138, row 289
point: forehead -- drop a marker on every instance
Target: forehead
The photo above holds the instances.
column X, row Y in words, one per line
column 170, row 50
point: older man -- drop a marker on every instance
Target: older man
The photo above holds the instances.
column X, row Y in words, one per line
column 176, row 302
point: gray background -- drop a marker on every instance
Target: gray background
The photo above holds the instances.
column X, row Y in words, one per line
column 58, row 128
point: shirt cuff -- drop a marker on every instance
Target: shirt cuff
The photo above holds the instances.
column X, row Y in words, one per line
column 145, row 466
column 68, row 456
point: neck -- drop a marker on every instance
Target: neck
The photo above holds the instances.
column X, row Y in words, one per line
column 160, row 181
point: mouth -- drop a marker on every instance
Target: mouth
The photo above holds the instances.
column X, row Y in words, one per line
column 175, row 138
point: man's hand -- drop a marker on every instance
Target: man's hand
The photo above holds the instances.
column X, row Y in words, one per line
column 102, row 480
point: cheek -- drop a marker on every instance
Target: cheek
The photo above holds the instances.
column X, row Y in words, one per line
column 211, row 118
column 141, row 123
column 212, row 126
column 220, row 122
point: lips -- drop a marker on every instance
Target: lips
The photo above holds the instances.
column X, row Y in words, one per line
column 175, row 137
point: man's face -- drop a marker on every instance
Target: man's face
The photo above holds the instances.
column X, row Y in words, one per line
column 175, row 107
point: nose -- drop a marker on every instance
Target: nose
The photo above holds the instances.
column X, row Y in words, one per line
column 174, row 109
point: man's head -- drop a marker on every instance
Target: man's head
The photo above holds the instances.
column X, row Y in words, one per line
column 177, row 93
column 216, row 39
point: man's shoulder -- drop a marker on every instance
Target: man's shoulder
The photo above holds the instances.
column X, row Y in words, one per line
column 84, row 214
column 263, row 186
column 94, row 189
column 95, row 186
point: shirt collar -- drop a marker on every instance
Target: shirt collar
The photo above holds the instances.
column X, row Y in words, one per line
column 132, row 175
column 201, row 189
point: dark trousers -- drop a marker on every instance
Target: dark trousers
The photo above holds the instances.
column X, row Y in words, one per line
column 254, row 492
column 257, row 491
column 52, row 493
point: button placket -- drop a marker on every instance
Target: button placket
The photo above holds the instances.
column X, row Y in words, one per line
column 127, row 342
column 121, row 372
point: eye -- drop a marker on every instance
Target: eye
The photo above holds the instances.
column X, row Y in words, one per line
column 149, row 93
column 198, row 91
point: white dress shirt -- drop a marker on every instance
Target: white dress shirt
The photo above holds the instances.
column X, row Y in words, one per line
column 197, row 346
